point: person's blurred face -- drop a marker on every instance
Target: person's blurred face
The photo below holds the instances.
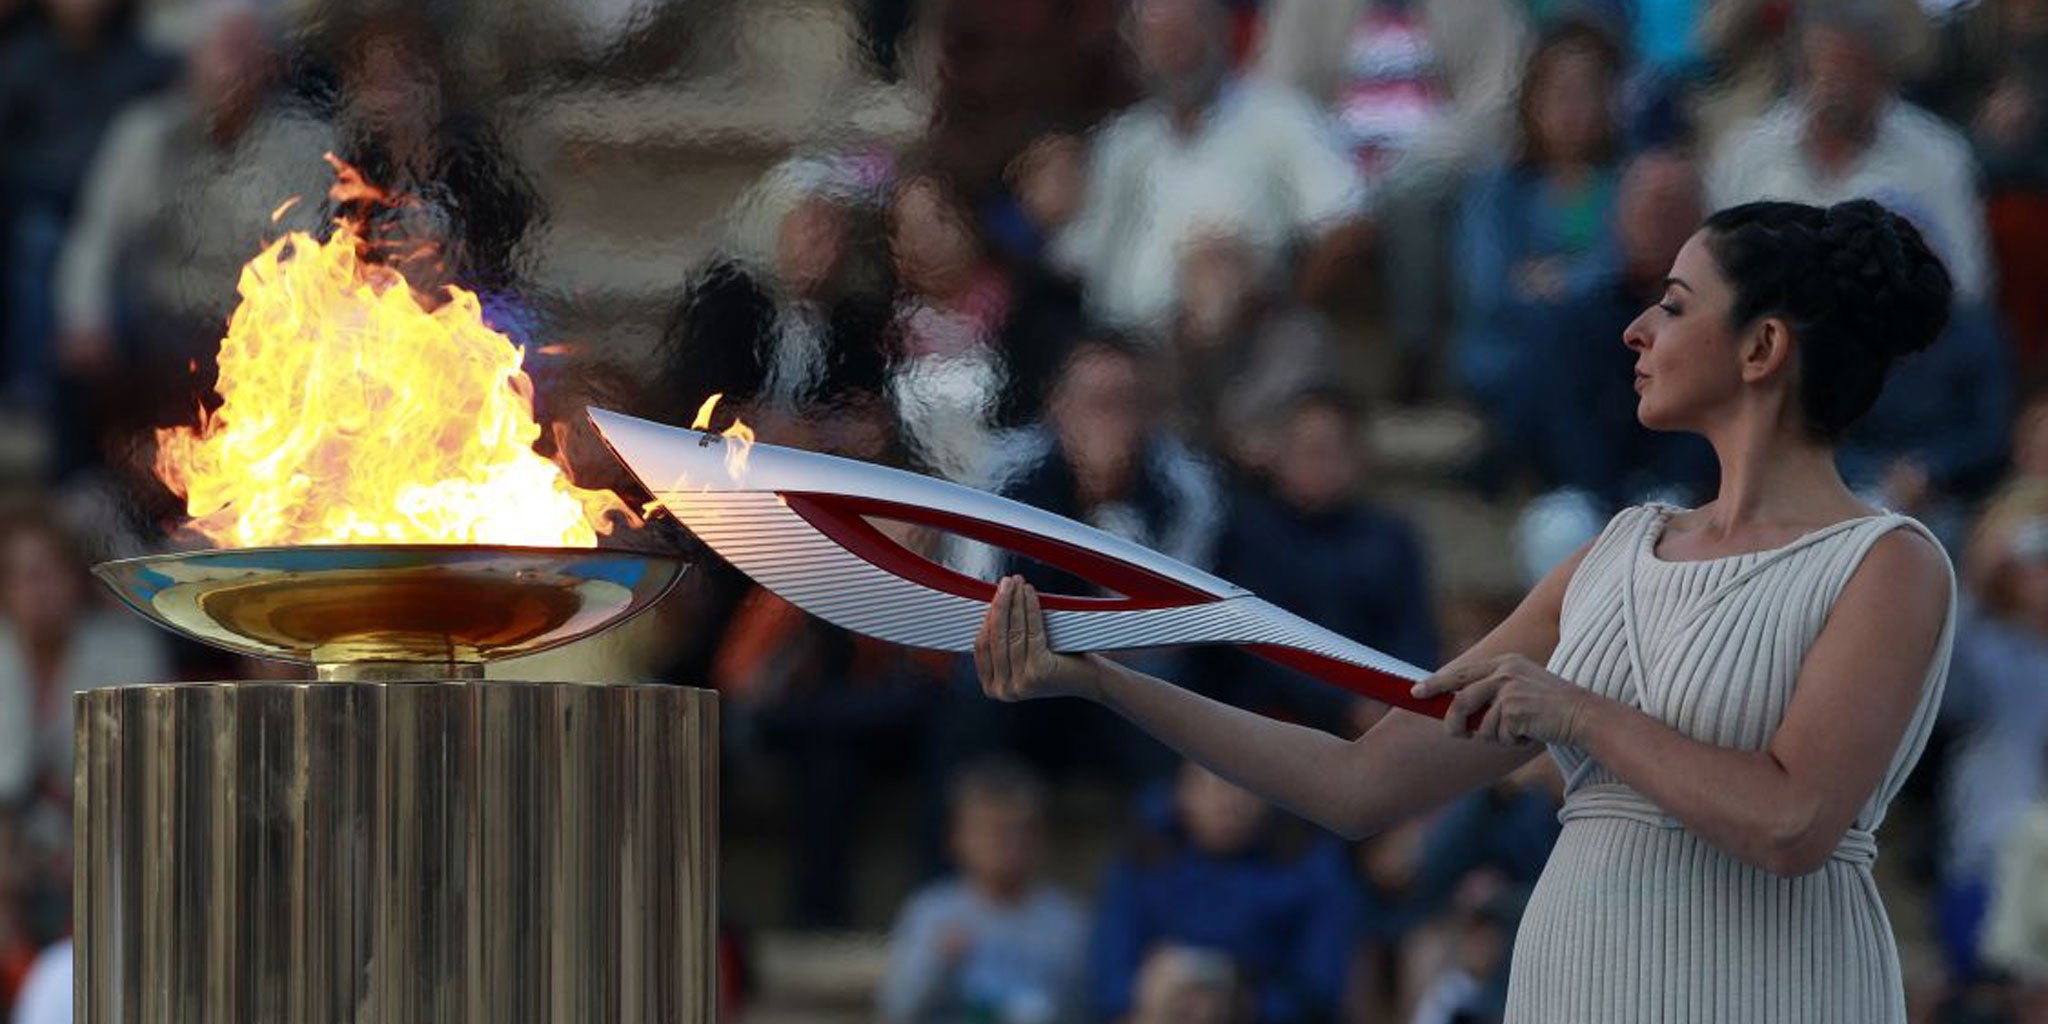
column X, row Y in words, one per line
column 1482, row 947
column 810, row 245
column 1098, row 411
column 1657, row 209
column 997, row 842
column 40, row 587
column 1218, row 282
column 1180, row 46
column 1570, row 111
column 392, row 90
column 1050, row 180
column 1686, row 352
column 233, row 64
column 1317, row 464
column 932, row 243
column 1846, row 83
column 1171, row 990
column 1195, row 1004
column 2026, row 19
column 1219, row 817
column 2029, row 583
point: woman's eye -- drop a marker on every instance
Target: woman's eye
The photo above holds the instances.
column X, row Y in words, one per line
column 1670, row 308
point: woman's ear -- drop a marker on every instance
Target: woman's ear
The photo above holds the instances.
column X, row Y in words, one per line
column 1766, row 349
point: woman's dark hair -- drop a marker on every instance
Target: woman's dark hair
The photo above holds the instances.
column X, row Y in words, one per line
column 1855, row 281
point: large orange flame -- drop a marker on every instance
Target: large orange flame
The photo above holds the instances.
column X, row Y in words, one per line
column 355, row 411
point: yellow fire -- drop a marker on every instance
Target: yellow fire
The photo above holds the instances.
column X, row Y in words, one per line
column 354, row 412
column 740, row 436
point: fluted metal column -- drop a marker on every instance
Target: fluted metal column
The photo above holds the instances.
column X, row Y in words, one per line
column 395, row 852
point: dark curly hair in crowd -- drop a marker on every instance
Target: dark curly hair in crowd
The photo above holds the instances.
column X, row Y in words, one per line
column 1855, row 281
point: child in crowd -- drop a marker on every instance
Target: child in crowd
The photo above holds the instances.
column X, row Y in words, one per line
column 999, row 943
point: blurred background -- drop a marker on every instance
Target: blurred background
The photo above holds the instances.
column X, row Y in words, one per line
column 1323, row 295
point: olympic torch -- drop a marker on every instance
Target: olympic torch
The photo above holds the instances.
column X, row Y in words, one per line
column 799, row 524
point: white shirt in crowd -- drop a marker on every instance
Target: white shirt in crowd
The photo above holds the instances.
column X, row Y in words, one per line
column 1263, row 165
column 46, row 992
column 1916, row 165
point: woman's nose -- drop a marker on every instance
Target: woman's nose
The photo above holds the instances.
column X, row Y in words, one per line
column 1636, row 336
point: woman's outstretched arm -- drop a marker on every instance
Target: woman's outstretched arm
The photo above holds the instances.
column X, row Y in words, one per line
column 1402, row 766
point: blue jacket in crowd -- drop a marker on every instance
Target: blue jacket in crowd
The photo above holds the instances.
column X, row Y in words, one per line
column 1286, row 913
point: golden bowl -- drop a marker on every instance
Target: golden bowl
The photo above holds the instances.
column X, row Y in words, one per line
column 391, row 610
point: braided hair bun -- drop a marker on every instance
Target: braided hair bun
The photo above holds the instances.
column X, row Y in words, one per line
column 1856, row 282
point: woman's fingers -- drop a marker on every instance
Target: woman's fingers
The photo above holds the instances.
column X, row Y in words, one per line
column 1490, row 726
column 1456, row 677
column 999, row 638
column 1017, row 635
column 1468, row 702
column 983, row 670
column 1034, row 621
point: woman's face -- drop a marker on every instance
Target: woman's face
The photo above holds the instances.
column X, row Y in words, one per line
column 1687, row 355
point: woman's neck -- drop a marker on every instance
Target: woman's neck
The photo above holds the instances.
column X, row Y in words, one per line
column 1775, row 474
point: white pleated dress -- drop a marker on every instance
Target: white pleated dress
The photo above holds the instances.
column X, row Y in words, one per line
column 1637, row 919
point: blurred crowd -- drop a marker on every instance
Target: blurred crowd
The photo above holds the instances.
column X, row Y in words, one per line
column 1159, row 265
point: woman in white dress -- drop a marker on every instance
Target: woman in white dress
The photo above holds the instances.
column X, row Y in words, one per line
column 1734, row 692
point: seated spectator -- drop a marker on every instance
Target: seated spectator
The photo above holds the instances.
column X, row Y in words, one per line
column 55, row 639
column 1188, row 985
column 1103, row 456
column 1420, row 89
column 998, row 943
column 1307, row 542
column 1600, row 457
column 790, row 317
column 181, row 195
column 1100, row 457
column 2019, row 917
column 1003, row 72
column 63, row 79
column 1747, row 45
column 1995, row 81
column 1200, row 142
column 1241, row 348
column 1042, row 192
column 1997, row 709
column 1536, row 238
column 974, row 340
column 1042, row 195
column 1214, row 869
column 1473, row 985
column 1938, row 427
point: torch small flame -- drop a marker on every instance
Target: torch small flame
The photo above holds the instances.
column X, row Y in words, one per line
column 739, row 437
column 357, row 411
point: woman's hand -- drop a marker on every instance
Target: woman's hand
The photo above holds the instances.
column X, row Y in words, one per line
column 1011, row 656
column 1515, row 699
